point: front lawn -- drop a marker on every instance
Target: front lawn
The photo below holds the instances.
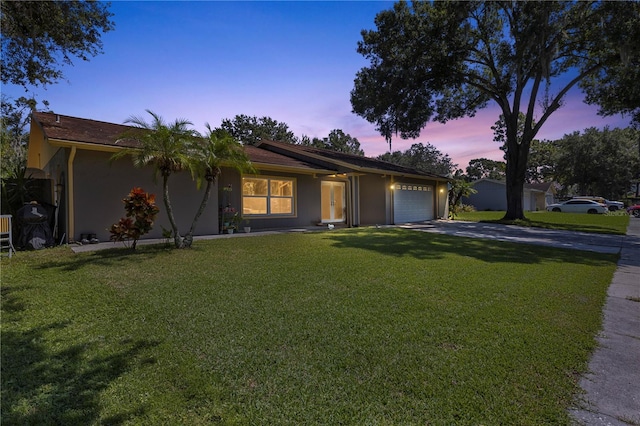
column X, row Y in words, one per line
column 359, row 326
column 610, row 223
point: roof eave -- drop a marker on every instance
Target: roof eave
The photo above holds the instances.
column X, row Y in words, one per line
column 354, row 167
column 291, row 169
column 90, row 146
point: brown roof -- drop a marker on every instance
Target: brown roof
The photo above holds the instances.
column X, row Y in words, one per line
column 73, row 129
column 262, row 156
column 355, row 161
column 82, row 130
column 267, row 153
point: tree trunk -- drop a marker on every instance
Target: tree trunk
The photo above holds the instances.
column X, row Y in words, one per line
column 188, row 239
column 167, row 205
column 517, row 154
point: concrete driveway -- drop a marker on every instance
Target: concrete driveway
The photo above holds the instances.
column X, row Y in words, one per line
column 601, row 243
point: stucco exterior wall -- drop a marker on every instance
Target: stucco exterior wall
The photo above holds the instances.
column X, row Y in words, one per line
column 490, row 196
column 100, row 186
column 39, row 153
column 374, row 208
column 493, row 196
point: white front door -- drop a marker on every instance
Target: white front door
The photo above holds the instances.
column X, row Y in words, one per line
column 332, row 201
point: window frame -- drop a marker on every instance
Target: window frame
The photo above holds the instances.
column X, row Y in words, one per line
column 268, row 197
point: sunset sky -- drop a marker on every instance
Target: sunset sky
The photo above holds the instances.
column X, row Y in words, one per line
column 292, row 61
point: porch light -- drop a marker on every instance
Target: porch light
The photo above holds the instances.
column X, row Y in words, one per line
column 392, row 187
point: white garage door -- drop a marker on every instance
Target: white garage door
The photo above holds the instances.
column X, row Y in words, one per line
column 412, row 203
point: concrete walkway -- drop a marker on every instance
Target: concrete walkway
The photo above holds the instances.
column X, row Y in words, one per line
column 612, row 384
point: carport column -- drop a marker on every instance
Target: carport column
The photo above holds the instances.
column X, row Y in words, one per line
column 389, row 190
column 70, row 197
column 354, row 200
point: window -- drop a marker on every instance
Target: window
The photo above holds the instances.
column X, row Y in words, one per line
column 267, row 196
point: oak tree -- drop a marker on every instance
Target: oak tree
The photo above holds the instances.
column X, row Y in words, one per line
column 38, row 37
column 448, row 59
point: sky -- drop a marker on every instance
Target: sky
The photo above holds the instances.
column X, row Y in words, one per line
column 293, row 61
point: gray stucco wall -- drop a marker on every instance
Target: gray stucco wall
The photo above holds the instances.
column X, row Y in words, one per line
column 374, row 208
column 100, row 187
column 490, row 196
column 493, row 196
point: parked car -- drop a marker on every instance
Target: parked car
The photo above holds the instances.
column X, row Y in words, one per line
column 634, row 210
column 578, row 206
column 611, row 205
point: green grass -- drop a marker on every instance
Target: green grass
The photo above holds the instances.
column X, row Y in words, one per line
column 610, row 223
column 361, row 326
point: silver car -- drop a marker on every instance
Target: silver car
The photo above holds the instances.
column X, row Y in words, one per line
column 611, row 205
column 578, row 206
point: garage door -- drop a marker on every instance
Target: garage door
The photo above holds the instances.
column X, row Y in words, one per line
column 412, row 203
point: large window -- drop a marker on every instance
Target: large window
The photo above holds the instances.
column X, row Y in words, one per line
column 267, row 196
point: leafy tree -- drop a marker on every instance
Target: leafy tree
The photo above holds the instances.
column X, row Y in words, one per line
column 599, row 162
column 13, row 135
column 39, row 36
column 460, row 188
column 484, row 168
column 426, row 158
column 165, row 146
column 336, row 141
column 251, row 130
column 540, row 159
column 541, row 164
column 210, row 153
column 615, row 88
column 17, row 187
column 445, row 60
column 500, row 130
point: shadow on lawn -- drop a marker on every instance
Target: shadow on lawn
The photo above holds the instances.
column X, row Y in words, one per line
column 594, row 229
column 421, row 245
column 107, row 257
column 44, row 386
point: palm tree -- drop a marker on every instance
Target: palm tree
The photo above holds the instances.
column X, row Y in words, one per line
column 216, row 149
column 165, row 146
column 459, row 188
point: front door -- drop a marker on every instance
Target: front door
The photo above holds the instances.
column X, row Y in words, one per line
column 332, row 200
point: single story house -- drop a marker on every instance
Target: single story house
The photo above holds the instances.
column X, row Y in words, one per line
column 295, row 186
column 492, row 195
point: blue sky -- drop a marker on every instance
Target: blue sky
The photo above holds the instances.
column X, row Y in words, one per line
column 293, row 61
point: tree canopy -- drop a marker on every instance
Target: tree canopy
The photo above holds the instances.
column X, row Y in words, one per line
column 336, row 141
column 426, row 158
column 39, row 36
column 598, row 162
column 448, row 59
column 251, row 130
column 484, row 168
column 615, row 88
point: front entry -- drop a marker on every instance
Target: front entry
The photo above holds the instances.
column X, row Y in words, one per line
column 333, row 202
